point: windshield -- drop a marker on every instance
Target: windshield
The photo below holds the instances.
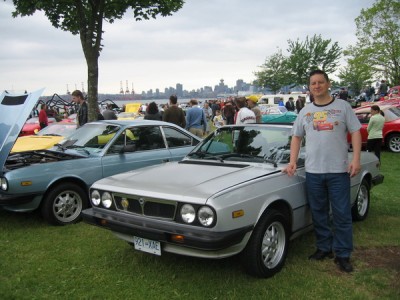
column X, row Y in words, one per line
column 91, row 137
column 247, row 144
column 58, row 129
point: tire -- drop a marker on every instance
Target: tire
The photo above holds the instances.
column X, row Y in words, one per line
column 360, row 207
column 393, row 142
column 63, row 204
column 266, row 251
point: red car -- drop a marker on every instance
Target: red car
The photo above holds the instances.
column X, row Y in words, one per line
column 391, row 129
column 31, row 125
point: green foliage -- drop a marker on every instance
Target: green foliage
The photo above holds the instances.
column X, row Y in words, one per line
column 86, row 19
column 274, row 72
column 378, row 31
column 313, row 53
column 357, row 74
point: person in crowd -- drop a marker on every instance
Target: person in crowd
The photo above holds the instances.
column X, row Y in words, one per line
column 43, row 120
column 99, row 114
column 108, row 113
column 214, row 106
column 383, row 88
column 252, row 104
column 218, row 121
column 280, row 103
column 196, row 121
column 290, row 106
column 152, row 112
column 244, row 114
column 300, row 102
column 328, row 170
column 374, row 129
column 208, row 113
column 82, row 117
column 343, row 94
column 173, row 113
column 228, row 113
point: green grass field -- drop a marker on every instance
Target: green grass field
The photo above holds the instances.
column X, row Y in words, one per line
column 38, row 261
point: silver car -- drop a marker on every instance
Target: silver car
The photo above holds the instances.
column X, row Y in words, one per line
column 228, row 196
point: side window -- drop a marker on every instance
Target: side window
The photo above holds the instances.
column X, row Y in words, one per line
column 148, row 138
column 177, row 138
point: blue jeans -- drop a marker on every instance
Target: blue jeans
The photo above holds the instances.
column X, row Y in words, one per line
column 325, row 192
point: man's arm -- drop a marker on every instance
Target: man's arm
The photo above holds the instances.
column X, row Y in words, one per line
column 294, row 153
column 354, row 167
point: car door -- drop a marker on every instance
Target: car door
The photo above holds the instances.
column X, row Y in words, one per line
column 134, row 148
column 179, row 142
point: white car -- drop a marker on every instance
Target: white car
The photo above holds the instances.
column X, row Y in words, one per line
column 227, row 196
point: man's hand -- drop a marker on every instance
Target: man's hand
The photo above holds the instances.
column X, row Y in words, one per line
column 290, row 169
column 354, row 167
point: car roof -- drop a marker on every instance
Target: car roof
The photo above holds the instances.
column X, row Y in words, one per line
column 14, row 110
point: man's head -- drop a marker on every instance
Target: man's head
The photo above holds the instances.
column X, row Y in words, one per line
column 252, row 100
column 77, row 96
column 319, row 83
column 193, row 102
column 173, row 99
column 240, row 102
column 291, row 99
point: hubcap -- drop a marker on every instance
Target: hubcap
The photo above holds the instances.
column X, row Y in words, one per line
column 362, row 200
column 273, row 245
column 395, row 144
column 67, row 206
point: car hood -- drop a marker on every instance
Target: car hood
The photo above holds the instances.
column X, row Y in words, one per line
column 14, row 110
column 35, row 142
column 184, row 180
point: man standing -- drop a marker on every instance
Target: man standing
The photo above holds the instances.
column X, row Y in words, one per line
column 375, row 126
column 252, row 104
column 244, row 115
column 173, row 113
column 82, row 117
column 290, row 104
column 109, row 114
column 43, row 120
column 328, row 170
column 196, row 121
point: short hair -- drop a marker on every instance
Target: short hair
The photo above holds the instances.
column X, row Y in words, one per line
column 173, row 99
column 78, row 93
column 152, row 108
column 194, row 101
column 376, row 108
column 320, row 72
column 42, row 105
column 240, row 102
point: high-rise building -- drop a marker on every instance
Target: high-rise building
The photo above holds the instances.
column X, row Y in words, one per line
column 179, row 89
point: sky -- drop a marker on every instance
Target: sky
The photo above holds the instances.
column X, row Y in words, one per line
column 202, row 43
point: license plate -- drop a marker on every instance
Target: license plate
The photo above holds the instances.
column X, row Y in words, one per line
column 146, row 245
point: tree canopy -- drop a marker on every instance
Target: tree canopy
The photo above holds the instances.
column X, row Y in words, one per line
column 86, row 19
column 313, row 53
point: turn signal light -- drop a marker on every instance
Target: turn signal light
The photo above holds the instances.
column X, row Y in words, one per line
column 177, row 238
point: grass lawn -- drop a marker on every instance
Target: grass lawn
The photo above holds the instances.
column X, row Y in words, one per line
column 38, row 261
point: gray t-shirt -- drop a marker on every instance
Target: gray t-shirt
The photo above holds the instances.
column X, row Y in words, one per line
column 325, row 129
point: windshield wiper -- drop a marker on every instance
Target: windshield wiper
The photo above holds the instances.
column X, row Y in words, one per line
column 272, row 161
column 78, row 147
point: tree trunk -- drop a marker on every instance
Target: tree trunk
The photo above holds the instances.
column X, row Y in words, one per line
column 93, row 83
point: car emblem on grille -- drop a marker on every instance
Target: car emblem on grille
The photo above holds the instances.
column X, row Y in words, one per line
column 125, row 203
column 141, row 201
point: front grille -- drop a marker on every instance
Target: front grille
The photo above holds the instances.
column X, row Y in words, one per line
column 145, row 206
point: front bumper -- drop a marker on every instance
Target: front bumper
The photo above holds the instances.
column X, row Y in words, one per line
column 162, row 231
column 15, row 200
column 377, row 179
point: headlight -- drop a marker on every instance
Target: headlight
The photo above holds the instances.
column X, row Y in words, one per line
column 205, row 216
column 188, row 213
column 106, row 200
column 4, row 184
column 95, row 198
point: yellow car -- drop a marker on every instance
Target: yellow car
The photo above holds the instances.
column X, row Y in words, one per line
column 45, row 138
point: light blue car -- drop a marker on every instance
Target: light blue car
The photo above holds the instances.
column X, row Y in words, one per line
column 56, row 180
